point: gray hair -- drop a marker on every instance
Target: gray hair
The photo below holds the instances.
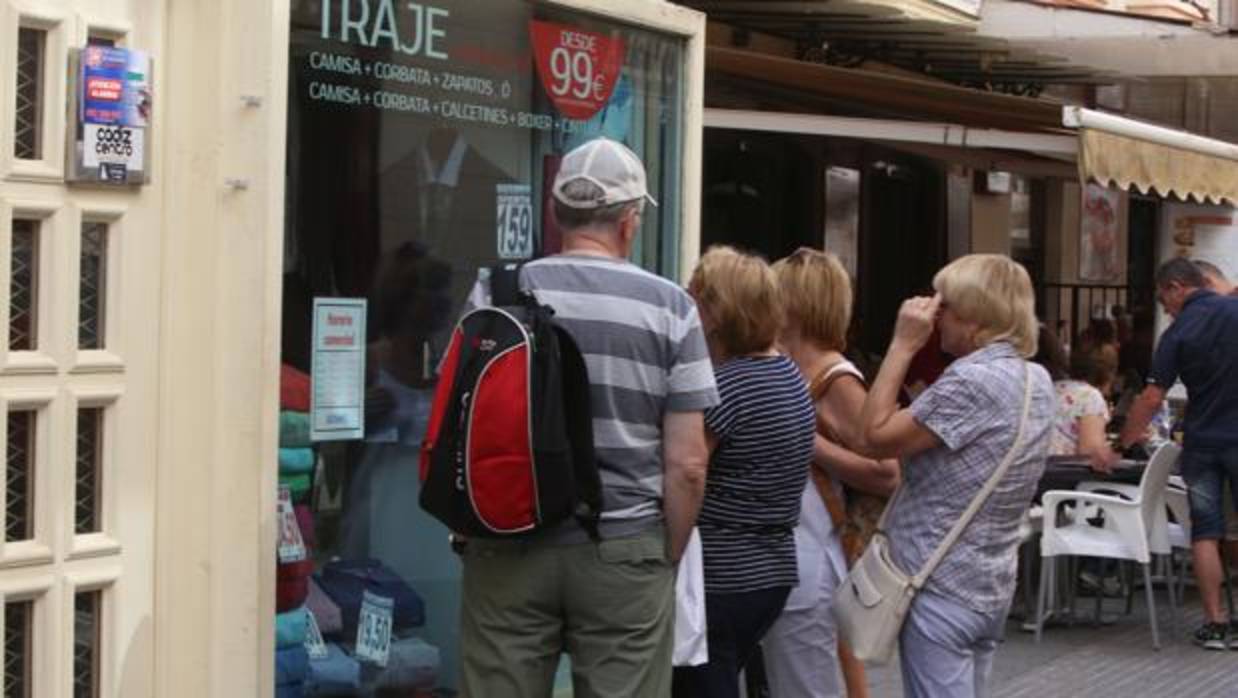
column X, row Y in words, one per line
column 1209, row 269
column 1182, row 271
column 583, row 190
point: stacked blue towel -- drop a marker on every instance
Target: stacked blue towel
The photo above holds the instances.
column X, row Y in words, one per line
column 334, row 675
column 290, row 628
column 291, row 669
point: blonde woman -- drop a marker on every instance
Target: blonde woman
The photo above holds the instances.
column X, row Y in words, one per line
column 951, row 440
column 802, row 652
column 760, row 437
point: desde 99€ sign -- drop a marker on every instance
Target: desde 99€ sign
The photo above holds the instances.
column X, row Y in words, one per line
column 578, row 69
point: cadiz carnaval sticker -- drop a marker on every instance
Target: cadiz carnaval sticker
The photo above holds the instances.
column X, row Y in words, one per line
column 578, row 68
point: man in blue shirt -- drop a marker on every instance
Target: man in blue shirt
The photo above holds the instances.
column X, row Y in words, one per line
column 1201, row 348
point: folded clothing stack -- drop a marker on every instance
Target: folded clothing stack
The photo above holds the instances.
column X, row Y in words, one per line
column 296, row 466
column 292, row 584
column 296, row 453
column 291, row 670
column 294, row 389
column 337, row 674
column 412, row 664
column 292, row 578
column 290, row 628
column 296, row 471
column 325, row 611
column 294, row 429
column 345, row 581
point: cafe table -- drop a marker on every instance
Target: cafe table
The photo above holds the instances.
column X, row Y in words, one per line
column 1066, row 472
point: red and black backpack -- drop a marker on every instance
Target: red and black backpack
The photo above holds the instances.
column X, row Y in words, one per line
column 509, row 446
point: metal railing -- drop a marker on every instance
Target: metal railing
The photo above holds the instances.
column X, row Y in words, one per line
column 1077, row 304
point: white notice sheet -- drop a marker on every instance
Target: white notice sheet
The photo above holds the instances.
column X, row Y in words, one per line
column 337, row 403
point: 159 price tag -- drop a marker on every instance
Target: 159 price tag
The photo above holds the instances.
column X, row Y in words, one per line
column 578, row 68
column 374, row 629
column 514, row 221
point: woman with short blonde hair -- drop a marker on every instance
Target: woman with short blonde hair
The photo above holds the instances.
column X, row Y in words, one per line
column 951, row 441
column 802, row 652
column 760, row 437
column 817, row 293
column 740, row 292
column 994, row 293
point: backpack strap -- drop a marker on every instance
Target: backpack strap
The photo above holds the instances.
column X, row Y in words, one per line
column 505, row 283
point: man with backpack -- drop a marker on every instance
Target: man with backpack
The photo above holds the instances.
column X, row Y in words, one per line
column 606, row 599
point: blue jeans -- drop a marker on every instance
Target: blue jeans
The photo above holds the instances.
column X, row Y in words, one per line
column 946, row 649
column 1206, row 473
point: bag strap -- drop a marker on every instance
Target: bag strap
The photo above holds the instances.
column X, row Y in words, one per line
column 505, row 284
column 983, row 495
column 834, row 505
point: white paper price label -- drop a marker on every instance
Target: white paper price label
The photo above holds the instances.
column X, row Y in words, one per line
column 291, row 545
column 314, row 644
column 374, row 629
column 515, row 221
column 120, row 145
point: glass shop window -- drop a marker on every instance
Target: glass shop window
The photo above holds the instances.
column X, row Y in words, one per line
column 422, row 138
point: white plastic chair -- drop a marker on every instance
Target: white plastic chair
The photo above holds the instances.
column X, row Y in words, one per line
column 1125, row 534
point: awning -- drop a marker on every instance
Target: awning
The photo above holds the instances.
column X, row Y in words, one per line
column 1125, row 153
column 936, row 37
column 1111, row 149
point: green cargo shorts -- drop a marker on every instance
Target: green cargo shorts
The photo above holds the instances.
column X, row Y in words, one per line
column 609, row 605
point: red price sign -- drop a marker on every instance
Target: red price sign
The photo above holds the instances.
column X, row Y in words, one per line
column 578, row 68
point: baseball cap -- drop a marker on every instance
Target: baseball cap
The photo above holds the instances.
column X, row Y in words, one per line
column 611, row 165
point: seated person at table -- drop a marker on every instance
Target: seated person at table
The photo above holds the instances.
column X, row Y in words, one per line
column 1082, row 413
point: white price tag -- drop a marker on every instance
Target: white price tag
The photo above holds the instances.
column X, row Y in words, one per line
column 515, row 221
column 291, row 545
column 374, row 629
column 314, row 644
column 121, row 145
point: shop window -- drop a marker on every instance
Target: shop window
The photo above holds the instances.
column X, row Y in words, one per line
column 18, row 640
column 19, row 476
column 92, row 291
column 88, row 498
column 23, row 285
column 420, row 151
column 28, row 119
column 87, row 612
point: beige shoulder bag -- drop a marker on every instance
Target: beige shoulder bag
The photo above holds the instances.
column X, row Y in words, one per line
column 873, row 600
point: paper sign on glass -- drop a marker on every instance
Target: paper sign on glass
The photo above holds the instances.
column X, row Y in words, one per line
column 374, row 628
column 337, row 401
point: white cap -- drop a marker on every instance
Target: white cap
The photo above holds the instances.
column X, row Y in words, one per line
column 611, row 165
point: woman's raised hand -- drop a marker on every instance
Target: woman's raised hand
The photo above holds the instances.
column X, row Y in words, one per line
column 916, row 319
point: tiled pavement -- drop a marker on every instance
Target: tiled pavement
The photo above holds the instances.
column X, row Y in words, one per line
column 1114, row 660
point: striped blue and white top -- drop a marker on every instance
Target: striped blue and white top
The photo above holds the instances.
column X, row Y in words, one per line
column 765, row 426
column 646, row 355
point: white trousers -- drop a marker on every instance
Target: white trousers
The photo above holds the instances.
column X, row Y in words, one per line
column 801, row 648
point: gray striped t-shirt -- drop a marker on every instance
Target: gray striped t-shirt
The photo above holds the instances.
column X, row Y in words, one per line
column 646, row 355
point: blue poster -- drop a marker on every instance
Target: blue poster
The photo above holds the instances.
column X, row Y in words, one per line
column 115, row 87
